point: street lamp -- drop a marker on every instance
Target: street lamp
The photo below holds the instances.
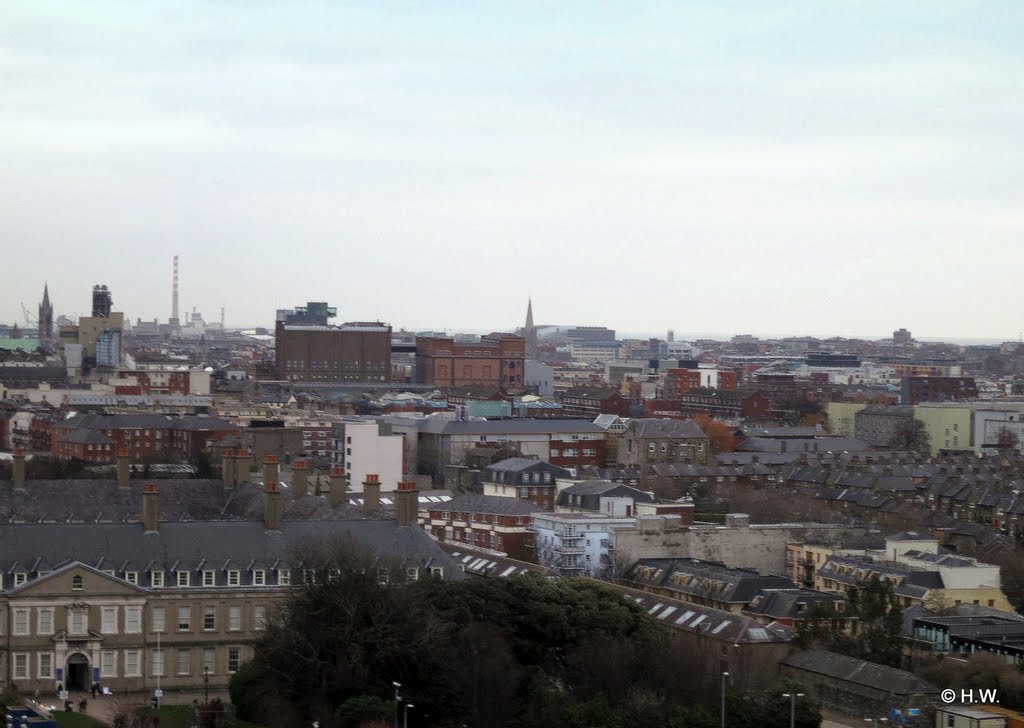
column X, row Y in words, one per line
column 792, row 707
column 398, row 699
column 206, row 687
column 405, row 723
column 724, row 676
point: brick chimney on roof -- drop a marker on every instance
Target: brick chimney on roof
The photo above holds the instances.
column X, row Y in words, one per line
column 300, row 479
column 150, row 508
column 270, row 469
column 339, row 487
column 272, row 506
column 18, row 469
column 124, row 468
column 371, row 493
column 227, row 468
column 241, row 466
column 407, row 503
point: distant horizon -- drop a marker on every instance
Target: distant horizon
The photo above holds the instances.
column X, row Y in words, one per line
column 691, row 336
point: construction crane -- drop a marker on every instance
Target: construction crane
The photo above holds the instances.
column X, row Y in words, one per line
column 28, row 316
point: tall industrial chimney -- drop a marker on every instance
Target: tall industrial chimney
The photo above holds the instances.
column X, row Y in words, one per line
column 174, row 322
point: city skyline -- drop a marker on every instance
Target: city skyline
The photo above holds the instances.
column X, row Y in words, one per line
column 800, row 169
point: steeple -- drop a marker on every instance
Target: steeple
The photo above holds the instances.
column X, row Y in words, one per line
column 45, row 319
column 530, row 332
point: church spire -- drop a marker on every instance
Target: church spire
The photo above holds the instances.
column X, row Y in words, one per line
column 46, row 294
column 530, row 331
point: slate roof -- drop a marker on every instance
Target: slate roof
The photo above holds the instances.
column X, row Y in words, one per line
column 705, row 579
column 517, row 426
column 518, row 465
column 591, row 491
column 86, row 437
column 860, row 672
column 490, row 565
column 193, row 546
column 665, row 429
column 179, row 500
column 726, row 626
column 493, row 504
column 786, row 603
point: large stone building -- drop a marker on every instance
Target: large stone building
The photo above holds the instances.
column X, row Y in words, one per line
column 133, row 587
column 356, row 353
column 663, row 441
column 495, row 360
column 98, row 438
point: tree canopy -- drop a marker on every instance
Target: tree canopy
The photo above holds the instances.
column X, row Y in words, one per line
column 521, row 651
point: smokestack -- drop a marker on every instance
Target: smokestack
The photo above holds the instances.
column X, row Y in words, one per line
column 270, row 469
column 124, row 468
column 407, row 503
column 339, row 487
column 300, row 478
column 19, row 468
column 242, row 466
column 227, row 468
column 150, row 508
column 272, row 506
column 371, row 493
column 175, row 321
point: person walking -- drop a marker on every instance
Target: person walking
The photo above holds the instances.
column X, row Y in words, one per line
column 82, row 704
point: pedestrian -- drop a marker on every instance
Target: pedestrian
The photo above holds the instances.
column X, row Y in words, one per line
column 95, row 687
column 82, row 705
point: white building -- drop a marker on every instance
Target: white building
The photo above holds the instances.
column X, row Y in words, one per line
column 368, row 446
column 991, row 419
column 577, row 544
column 540, row 376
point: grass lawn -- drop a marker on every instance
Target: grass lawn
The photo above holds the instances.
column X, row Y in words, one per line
column 76, row 720
column 180, row 716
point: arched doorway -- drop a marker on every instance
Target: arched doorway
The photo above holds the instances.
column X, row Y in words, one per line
column 78, row 672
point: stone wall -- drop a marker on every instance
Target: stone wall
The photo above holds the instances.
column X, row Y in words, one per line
column 761, row 547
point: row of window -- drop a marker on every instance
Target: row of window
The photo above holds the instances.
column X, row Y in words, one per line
column 206, row 578
column 110, row 623
column 131, row 663
column 477, row 517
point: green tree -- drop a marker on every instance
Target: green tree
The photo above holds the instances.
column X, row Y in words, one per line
column 910, row 434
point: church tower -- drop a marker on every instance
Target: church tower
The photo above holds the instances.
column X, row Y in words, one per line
column 46, row 317
column 530, row 332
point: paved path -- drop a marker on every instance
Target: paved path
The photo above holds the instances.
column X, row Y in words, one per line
column 103, row 707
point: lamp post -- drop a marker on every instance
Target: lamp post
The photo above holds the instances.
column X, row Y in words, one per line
column 724, row 676
column 206, row 688
column 405, row 723
column 792, row 707
column 398, row 699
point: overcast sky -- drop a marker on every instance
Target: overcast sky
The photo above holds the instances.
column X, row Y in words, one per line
column 736, row 167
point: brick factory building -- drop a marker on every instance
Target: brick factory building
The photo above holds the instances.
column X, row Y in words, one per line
column 496, row 361
column 352, row 352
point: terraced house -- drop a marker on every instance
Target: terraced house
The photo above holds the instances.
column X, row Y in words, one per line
column 136, row 588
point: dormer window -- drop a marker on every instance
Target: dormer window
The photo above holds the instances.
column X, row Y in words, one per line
column 259, row 577
column 209, row 578
column 132, row 577
column 234, row 578
column 183, row 578
column 77, row 582
column 157, row 578
column 284, row 577
column 20, row 578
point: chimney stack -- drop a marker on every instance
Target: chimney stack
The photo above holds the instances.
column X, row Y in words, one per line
column 242, row 466
column 18, row 470
column 272, row 506
column 227, row 468
column 300, row 479
column 407, row 504
column 339, row 487
column 371, row 493
column 150, row 508
column 124, row 468
column 269, row 469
